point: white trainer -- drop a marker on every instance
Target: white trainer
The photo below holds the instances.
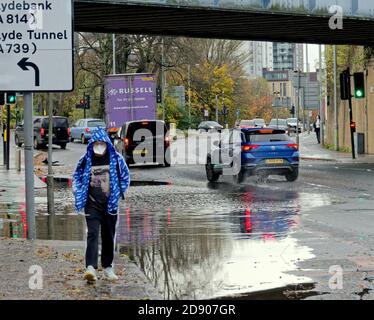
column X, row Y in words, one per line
column 90, row 274
column 109, row 274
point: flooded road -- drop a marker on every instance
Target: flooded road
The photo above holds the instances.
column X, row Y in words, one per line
column 242, row 245
column 196, row 240
column 208, row 241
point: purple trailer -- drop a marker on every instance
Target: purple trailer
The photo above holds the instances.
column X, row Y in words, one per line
column 130, row 97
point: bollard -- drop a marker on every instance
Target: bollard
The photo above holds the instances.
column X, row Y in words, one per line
column 18, row 159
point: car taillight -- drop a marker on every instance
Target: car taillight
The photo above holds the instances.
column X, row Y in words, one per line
column 126, row 142
column 293, row 146
column 87, row 130
column 167, row 141
column 69, row 132
column 249, row 148
column 42, row 132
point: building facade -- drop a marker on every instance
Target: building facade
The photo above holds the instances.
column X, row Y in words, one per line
column 260, row 57
column 288, row 56
column 280, row 84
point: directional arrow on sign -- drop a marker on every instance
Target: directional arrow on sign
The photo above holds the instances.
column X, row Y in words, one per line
column 24, row 64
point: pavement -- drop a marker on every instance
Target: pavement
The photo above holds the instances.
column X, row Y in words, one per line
column 311, row 150
column 60, row 267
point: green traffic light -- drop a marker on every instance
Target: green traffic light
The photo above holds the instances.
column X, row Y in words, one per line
column 11, row 97
column 359, row 94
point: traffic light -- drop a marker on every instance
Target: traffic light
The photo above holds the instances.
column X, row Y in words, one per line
column 359, row 81
column 345, row 86
column 353, row 126
column 88, row 101
column 11, row 97
column 159, row 95
column 2, row 98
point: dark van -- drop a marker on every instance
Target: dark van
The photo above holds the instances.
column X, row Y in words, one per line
column 145, row 141
column 61, row 132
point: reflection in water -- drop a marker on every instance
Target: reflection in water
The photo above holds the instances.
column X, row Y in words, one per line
column 55, row 227
column 13, row 221
column 180, row 257
column 197, row 254
column 190, row 255
column 60, row 227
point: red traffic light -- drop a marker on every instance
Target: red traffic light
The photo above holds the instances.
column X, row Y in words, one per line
column 353, row 125
column 82, row 101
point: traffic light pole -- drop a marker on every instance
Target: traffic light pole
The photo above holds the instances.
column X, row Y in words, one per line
column 351, row 114
column 7, row 135
column 84, row 106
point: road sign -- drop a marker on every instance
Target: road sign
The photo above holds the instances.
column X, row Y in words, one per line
column 36, row 45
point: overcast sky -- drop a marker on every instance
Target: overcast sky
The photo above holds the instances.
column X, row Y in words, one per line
column 313, row 53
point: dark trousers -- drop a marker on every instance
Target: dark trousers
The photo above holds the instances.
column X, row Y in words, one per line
column 318, row 134
column 95, row 220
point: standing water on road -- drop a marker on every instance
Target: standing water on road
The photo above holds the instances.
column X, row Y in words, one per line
column 219, row 240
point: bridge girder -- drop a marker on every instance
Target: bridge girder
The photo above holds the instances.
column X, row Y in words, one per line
column 113, row 17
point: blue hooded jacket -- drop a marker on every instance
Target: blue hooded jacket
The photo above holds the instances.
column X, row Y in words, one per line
column 118, row 172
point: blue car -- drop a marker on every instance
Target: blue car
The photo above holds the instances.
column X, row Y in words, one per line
column 254, row 151
column 82, row 129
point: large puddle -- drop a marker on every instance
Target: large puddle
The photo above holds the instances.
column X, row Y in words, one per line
column 229, row 241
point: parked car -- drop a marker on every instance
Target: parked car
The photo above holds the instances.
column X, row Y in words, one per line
column 293, row 123
column 254, row 151
column 259, row 123
column 61, row 132
column 207, row 126
column 246, row 124
column 278, row 124
column 145, row 141
column 81, row 130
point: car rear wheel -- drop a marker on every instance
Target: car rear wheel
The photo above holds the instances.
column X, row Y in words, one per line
column 210, row 174
column 167, row 161
column 71, row 139
column 83, row 139
column 292, row 175
column 63, row 146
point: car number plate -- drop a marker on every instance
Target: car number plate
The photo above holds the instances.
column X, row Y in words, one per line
column 144, row 151
column 274, row 161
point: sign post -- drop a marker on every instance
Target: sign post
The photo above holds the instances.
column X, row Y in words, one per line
column 36, row 55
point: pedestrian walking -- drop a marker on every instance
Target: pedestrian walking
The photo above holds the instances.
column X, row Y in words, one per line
column 317, row 128
column 100, row 179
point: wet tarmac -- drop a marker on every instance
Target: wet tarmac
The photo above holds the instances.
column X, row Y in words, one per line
column 213, row 241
